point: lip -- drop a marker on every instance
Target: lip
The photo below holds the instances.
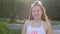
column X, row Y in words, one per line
column 36, row 15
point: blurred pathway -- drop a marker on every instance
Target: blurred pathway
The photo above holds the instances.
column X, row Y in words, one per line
column 56, row 29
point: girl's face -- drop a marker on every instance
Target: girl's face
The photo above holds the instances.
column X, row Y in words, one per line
column 36, row 12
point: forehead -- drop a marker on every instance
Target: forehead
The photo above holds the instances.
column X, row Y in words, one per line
column 36, row 7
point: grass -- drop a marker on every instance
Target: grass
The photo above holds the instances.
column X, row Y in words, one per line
column 20, row 21
column 55, row 22
column 15, row 31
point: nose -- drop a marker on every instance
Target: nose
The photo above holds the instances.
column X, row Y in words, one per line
column 36, row 12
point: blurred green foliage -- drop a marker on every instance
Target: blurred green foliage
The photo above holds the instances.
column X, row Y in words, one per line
column 3, row 27
column 55, row 22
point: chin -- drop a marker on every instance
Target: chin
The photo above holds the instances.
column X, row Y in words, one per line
column 36, row 17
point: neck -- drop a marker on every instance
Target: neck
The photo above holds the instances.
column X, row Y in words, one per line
column 37, row 20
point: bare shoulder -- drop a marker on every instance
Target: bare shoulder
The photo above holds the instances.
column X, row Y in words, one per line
column 27, row 22
column 48, row 25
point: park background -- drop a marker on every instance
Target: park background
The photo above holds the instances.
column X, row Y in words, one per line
column 13, row 14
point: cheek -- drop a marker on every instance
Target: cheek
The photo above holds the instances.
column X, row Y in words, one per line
column 33, row 13
column 36, row 13
column 40, row 14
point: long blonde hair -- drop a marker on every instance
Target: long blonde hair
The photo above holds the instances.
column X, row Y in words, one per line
column 44, row 17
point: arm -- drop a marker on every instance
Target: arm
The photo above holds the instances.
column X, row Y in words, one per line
column 49, row 29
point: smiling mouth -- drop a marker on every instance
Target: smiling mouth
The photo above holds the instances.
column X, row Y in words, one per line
column 36, row 15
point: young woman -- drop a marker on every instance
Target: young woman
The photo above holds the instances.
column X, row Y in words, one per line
column 39, row 22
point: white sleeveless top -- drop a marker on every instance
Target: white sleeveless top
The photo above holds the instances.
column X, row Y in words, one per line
column 36, row 30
